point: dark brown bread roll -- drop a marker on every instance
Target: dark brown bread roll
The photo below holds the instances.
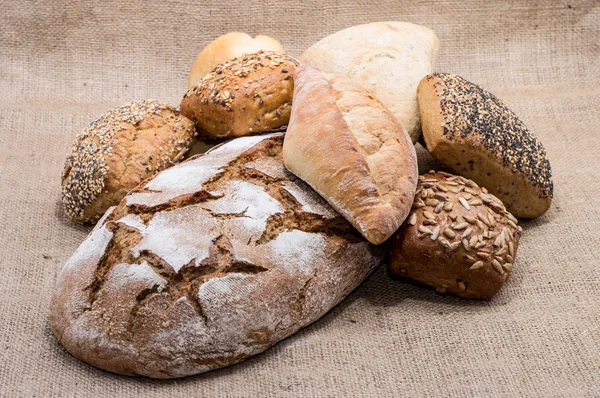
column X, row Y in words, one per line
column 246, row 95
column 474, row 134
column 117, row 152
column 458, row 238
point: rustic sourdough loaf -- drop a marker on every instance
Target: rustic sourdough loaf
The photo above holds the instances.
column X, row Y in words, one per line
column 387, row 58
column 346, row 145
column 243, row 96
column 474, row 134
column 228, row 46
column 458, row 238
column 117, row 152
column 210, row 262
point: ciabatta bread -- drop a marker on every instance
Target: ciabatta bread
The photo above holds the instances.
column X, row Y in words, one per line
column 387, row 58
column 345, row 144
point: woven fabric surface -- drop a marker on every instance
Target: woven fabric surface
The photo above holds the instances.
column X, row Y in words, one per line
column 63, row 63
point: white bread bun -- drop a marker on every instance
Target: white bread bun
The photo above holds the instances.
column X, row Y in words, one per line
column 226, row 47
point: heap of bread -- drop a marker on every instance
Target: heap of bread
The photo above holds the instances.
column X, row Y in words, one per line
column 199, row 265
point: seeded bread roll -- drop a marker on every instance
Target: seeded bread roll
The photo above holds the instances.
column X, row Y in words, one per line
column 458, row 238
column 246, row 95
column 212, row 261
column 346, row 145
column 117, row 152
column 226, row 47
column 474, row 134
column 387, row 58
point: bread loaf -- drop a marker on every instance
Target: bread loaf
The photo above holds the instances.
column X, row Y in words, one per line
column 346, row 145
column 246, row 95
column 117, row 152
column 226, row 47
column 387, row 58
column 458, row 238
column 212, row 261
column 474, row 134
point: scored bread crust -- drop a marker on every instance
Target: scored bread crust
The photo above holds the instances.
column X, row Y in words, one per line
column 246, row 95
column 118, row 151
column 458, row 238
column 387, row 58
column 228, row 46
column 346, row 145
column 212, row 261
column 474, row 134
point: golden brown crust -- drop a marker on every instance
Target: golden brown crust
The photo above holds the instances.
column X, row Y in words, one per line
column 246, row 95
column 228, row 46
column 117, row 152
column 474, row 134
column 345, row 144
column 458, row 238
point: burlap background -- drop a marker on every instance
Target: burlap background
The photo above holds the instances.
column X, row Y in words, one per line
column 63, row 63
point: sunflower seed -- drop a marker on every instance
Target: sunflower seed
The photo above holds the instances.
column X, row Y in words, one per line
column 441, row 197
column 444, row 242
column 455, row 190
column 482, row 226
column 483, row 255
column 467, row 196
column 429, row 222
column 464, row 203
column 442, row 188
column 479, row 244
column 413, row 219
column 467, row 233
column 492, row 234
column 431, row 202
column 429, row 215
column 435, row 233
column 497, row 266
column 473, row 241
column 438, row 208
column 469, row 258
column 476, row 202
column 461, row 286
column 492, row 219
column 428, row 184
column 486, row 199
column 451, row 183
column 460, row 226
column 499, row 240
column 512, row 224
column 454, row 245
column 448, row 206
column 471, row 191
column 483, row 217
column 470, row 220
column 476, row 265
column 465, row 244
column 418, row 204
column 424, row 230
column 445, row 174
column 502, row 251
column 509, row 258
column 511, row 218
column 449, row 233
column 484, row 190
column 508, row 267
column 511, row 249
column 423, row 194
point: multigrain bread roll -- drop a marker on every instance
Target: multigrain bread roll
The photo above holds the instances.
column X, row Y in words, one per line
column 247, row 95
column 212, row 261
column 345, row 144
column 474, row 134
column 458, row 238
column 117, row 152
column 387, row 58
column 226, row 47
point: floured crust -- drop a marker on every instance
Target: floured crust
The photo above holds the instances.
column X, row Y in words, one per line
column 118, row 151
column 387, row 58
column 458, row 238
column 246, row 95
column 345, row 144
column 474, row 134
column 218, row 266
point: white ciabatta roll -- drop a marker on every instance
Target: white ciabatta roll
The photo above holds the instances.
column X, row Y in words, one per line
column 212, row 261
column 345, row 144
column 387, row 58
column 226, row 47
column 471, row 132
